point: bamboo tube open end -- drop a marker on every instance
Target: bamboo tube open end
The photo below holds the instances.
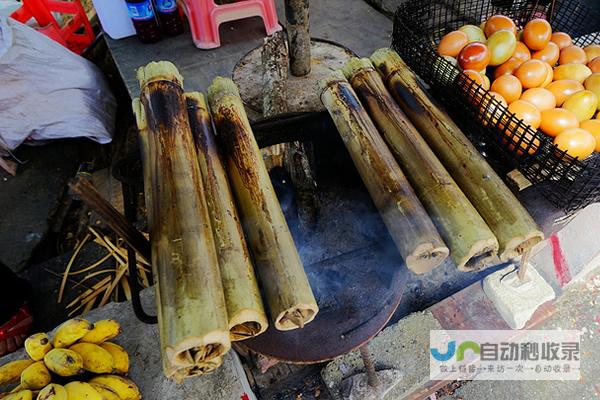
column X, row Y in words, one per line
column 296, row 317
column 356, row 65
column 426, row 257
column 139, row 113
column 195, row 350
column 159, row 71
column 387, row 61
column 481, row 255
column 221, row 87
column 519, row 245
column 335, row 77
column 247, row 324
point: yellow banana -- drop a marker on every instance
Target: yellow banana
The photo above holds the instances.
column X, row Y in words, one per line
column 104, row 330
column 71, row 331
column 37, row 346
column 123, row 387
column 81, row 391
column 53, row 392
column 36, row 376
column 64, row 362
column 11, row 372
column 119, row 355
column 95, row 358
column 22, row 395
column 106, row 392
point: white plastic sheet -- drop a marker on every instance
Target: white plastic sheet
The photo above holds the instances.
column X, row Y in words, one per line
column 48, row 92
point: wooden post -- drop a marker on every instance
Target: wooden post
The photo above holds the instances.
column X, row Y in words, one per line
column 286, row 290
column 409, row 225
column 297, row 16
column 192, row 315
column 245, row 310
column 471, row 242
column 514, row 228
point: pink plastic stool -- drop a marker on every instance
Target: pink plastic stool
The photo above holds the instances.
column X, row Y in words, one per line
column 205, row 17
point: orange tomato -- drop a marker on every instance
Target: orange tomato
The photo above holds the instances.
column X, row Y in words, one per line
column 576, row 142
column 452, row 43
column 542, row 98
column 593, row 83
column 592, row 51
column 532, row 73
column 548, row 54
column 537, row 34
column 561, row 39
column 527, row 112
column 502, row 45
column 476, row 76
column 549, row 75
column 475, row 56
column 508, row 86
column 498, row 22
column 557, row 120
column 508, row 68
column 492, row 111
column 583, row 104
column 530, row 142
column 522, row 52
column 572, row 55
column 593, row 127
column 579, row 72
column 594, row 65
column 563, row 89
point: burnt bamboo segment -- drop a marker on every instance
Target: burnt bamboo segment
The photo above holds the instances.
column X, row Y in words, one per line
column 409, row 225
column 286, row 290
column 514, row 228
column 245, row 309
column 297, row 17
column 192, row 315
column 472, row 244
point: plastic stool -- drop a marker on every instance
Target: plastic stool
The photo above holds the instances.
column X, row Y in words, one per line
column 205, row 17
column 76, row 35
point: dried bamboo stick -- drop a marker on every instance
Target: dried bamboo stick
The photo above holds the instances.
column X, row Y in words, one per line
column 191, row 306
column 286, row 290
column 245, row 309
column 409, row 225
column 471, row 242
column 514, row 228
column 297, row 17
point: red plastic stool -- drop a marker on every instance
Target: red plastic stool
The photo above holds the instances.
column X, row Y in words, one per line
column 205, row 17
column 76, row 35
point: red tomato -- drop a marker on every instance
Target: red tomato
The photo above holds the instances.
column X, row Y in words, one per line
column 475, row 56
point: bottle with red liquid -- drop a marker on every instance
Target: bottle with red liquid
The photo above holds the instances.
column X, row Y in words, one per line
column 169, row 17
column 144, row 20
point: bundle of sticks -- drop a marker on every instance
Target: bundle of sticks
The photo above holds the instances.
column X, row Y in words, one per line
column 208, row 212
column 422, row 172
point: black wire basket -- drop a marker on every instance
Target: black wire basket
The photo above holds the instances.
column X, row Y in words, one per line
column 503, row 138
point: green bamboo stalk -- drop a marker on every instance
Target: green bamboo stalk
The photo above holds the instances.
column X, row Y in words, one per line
column 409, row 225
column 471, row 242
column 192, row 315
column 286, row 290
column 247, row 316
column 514, row 228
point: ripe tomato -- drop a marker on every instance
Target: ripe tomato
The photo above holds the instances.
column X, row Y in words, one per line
column 537, row 34
column 508, row 68
column 522, row 52
column 558, row 120
column 475, row 56
column 561, row 39
column 594, row 65
column 509, row 87
column 532, row 73
column 549, row 54
column 592, row 51
column 527, row 112
column 542, row 98
column 572, row 55
column 593, row 127
column 564, row 88
column 502, row 45
column 452, row 43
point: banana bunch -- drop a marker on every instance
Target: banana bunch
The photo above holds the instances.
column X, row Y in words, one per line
column 77, row 350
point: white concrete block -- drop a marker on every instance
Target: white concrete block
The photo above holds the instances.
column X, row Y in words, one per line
column 517, row 300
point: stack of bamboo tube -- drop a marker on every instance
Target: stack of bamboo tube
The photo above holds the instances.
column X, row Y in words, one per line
column 382, row 114
column 207, row 291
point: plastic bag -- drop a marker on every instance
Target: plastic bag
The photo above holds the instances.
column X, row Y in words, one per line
column 48, row 92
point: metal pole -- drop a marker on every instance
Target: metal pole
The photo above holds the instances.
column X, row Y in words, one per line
column 372, row 378
column 296, row 13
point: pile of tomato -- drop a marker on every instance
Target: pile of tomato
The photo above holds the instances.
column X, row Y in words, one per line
column 541, row 76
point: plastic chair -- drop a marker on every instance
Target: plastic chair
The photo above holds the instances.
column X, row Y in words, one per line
column 205, row 17
column 76, row 35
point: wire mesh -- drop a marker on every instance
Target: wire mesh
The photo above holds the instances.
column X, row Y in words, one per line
column 505, row 139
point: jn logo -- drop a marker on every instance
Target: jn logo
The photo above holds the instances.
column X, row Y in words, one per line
column 452, row 350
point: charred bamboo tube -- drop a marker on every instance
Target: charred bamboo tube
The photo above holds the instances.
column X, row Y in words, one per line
column 409, row 225
column 297, row 16
column 245, row 309
column 514, row 228
column 192, row 315
column 286, row 290
column 471, row 242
